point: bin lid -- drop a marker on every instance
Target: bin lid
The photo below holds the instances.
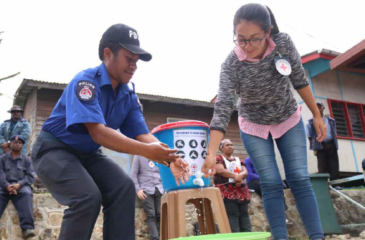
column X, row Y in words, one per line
column 179, row 124
column 319, row 175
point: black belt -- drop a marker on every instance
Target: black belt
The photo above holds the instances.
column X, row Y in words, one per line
column 48, row 135
column 328, row 145
column 57, row 143
column 330, row 142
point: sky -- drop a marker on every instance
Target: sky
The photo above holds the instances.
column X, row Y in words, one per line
column 189, row 39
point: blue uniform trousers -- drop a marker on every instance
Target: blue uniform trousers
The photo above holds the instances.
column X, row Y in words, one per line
column 23, row 203
column 84, row 182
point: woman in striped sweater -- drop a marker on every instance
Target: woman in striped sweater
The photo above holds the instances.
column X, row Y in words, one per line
column 261, row 70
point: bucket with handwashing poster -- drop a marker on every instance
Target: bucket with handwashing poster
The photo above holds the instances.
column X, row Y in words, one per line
column 190, row 138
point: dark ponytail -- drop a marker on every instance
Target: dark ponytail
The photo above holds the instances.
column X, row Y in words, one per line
column 259, row 14
column 274, row 25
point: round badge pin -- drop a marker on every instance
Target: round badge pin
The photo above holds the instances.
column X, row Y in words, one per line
column 151, row 164
column 283, row 67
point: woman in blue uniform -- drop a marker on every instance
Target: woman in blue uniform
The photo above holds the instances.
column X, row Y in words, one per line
column 66, row 155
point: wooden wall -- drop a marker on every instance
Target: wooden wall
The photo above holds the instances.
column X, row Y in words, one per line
column 30, row 114
column 47, row 99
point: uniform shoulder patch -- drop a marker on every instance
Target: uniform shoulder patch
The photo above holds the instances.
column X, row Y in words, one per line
column 86, row 91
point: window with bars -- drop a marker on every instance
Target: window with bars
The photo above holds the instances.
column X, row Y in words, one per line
column 350, row 119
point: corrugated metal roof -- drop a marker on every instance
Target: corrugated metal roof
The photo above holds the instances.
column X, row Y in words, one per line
column 57, row 83
column 352, row 60
column 31, row 83
column 189, row 99
column 41, row 81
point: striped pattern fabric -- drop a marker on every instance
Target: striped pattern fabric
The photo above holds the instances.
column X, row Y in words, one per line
column 265, row 96
column 276, row 130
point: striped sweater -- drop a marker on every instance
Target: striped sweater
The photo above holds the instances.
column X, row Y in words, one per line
column 264, row 95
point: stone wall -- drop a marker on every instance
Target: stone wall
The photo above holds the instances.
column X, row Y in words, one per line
column 350, row 217
column 48, row 216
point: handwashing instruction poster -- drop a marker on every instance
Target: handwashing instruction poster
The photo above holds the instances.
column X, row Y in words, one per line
column 192, row 147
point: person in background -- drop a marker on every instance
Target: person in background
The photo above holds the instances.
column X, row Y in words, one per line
column 229, row 178
column 147, row 181
column 16, row 179
column 14, row 126
column 325, row 151
column 253, row 181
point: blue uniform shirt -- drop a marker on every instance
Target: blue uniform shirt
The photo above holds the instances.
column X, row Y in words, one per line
column 329, row 133
column 90, row 98
column 19, row 170
column 12, row 125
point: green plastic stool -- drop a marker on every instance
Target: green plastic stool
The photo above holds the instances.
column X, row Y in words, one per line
column 229, row 236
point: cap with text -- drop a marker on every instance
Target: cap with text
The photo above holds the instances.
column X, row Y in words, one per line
column 128, row 38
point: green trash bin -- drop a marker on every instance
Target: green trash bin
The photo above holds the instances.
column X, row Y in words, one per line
column 327, row 213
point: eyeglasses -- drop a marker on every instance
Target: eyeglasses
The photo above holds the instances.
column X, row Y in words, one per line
column 254, row 42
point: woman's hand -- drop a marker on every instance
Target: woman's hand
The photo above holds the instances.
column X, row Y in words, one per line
column 307, row 96
column 208, row 168
column 209, row 164
column 238, row 180
column 180, row 170
column 321, row 128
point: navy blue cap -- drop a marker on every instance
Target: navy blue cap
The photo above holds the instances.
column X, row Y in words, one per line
column 319, row 103
column 128, row 38
column 16, row 137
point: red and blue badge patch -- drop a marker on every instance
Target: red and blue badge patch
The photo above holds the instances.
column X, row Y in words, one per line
column 85, row 91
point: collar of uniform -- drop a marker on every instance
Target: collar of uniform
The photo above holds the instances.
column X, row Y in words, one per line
column 9, row 155
column 105, row 80
column 20, row 120
column 19, row 157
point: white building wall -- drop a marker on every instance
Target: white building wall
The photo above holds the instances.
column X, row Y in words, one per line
column 346, row 156
column 326, row 85
column 359, row 147
column 353, row 87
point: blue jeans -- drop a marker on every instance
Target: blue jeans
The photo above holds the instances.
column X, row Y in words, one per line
column 293, row 150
